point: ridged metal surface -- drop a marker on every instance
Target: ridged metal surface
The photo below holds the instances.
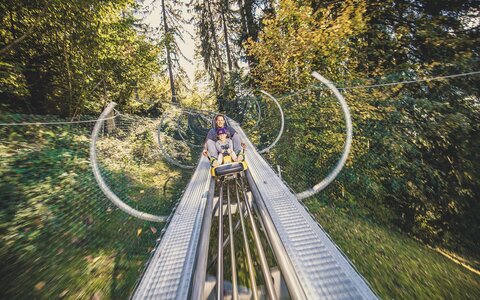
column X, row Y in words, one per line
column 169, row 273
column 321, row 268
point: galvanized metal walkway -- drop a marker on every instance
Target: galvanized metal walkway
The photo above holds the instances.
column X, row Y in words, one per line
column 312, row 265
column 170, row 270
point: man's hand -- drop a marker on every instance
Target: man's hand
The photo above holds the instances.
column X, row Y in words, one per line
column 244, row 146
column 205, row 152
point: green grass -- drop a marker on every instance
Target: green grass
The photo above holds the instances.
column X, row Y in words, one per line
column 396, row 266
column 59, row 236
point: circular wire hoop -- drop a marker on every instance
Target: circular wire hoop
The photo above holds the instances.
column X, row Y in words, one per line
column 346, row 147
column 102, row 184
column 164, row 151
column 280, row 133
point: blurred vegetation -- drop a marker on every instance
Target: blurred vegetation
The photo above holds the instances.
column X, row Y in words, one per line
column 415, row 158
column 72, row 58
column 396, row 266
column 60, row 236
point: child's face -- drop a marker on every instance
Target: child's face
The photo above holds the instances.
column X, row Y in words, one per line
column 222, row 136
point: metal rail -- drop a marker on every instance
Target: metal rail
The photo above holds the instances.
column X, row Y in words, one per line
column 263, row 259
column 226, row 241
column 220, row 245
column 322, row 269
column 201, row 262
column 232, row 245
column 309, row 262
column 291, row 279
column 247, row 249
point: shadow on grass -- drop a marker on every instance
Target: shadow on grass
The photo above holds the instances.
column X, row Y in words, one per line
column 61, row 238
column 395, row 265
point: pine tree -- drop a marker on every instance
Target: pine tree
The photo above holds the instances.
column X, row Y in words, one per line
column 173, row 23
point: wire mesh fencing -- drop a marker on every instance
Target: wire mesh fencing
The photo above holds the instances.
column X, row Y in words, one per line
column 413, row 158
column 60, row 236
column 414, row 163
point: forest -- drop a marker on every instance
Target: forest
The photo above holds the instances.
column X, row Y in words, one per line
column 415, row 163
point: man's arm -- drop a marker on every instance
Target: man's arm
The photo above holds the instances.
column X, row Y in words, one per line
column 231, row 131
column 212, row 135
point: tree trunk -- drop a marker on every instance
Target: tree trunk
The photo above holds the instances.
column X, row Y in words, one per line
column 225, row 34
column 243, row 21
column 169, row 59
column 217, row 49
column 110, row 122
column 26, row 34
column 69, row 76
column 252, row 30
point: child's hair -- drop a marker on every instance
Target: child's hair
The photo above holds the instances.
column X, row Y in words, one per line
column 221, row 131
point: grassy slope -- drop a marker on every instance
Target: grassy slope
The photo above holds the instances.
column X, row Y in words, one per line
column 59, row 236
column 396, row 266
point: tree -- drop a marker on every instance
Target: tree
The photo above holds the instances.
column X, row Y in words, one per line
column 223, row 26
column 169, row 38
column 415, row 158
column 78, row 56
column 207, row 27
column 173, row 23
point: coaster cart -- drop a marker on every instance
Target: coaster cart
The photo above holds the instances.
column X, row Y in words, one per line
column 228, row 167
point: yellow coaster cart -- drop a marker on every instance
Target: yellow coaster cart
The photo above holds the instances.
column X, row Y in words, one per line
column 228, row 167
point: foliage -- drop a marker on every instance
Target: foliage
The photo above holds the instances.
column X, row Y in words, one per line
column 170, row 32
column 71, row 58
column 415, row 156
column 223, row 27
column 60, row 235
column 299, row 40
